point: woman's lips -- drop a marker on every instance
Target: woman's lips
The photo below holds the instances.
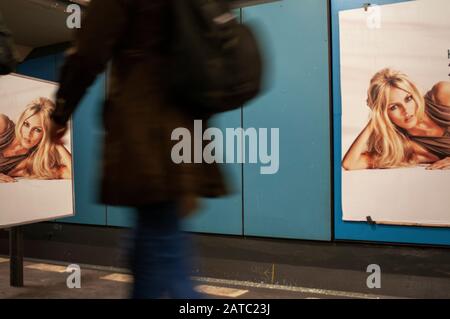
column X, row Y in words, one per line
column 409, row 118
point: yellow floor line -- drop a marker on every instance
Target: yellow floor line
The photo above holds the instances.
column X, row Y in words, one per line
column 220, row 291
column 4, row 260
column 47, row 267
column 118, row 277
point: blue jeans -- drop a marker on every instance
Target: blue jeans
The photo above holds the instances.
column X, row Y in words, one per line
column 160, row 259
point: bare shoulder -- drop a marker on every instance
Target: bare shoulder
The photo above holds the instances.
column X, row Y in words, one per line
column 65, row 156
column 4, row 121
column 441, row 93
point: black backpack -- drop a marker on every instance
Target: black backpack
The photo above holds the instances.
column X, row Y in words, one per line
column 216, row 62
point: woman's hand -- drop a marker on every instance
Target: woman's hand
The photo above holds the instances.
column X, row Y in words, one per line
column 357, row 156
column 443, row 164
column 6, row 179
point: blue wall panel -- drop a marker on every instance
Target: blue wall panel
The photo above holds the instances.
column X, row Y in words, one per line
column 223, row 215
column 355, row 230
column 42, row 68
column 295, row 202
column 120, row 216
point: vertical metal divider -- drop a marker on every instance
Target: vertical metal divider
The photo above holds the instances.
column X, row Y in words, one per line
column 331, row 105
column 241, row 14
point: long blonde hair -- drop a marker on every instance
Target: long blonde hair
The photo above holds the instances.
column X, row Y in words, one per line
column 389, row 144
column 44, row 159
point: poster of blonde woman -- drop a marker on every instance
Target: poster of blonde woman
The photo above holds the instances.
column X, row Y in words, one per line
column 35, row 174
column 395, row 88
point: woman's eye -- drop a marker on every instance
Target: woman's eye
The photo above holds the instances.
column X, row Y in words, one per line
column 409, row 98
column 26, row 124
column 38, row 130
column 393, row 107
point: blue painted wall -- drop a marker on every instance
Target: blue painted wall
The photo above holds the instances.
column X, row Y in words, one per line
column 295, row 202
column 223, row 215
column 42, row 68
column 355, row 230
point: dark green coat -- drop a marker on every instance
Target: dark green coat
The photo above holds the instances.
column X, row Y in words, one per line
column 139, row 113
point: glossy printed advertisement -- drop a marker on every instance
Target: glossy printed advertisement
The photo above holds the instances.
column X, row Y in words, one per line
column 35, row 173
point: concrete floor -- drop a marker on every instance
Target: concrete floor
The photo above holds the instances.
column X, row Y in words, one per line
column 251, row 267
column 44, row 280
column 49, row 282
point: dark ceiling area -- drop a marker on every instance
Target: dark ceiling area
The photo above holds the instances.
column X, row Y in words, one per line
column 40, row 23
column 36, row 23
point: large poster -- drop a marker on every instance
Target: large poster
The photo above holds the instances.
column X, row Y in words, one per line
column 35, row 174
column 395, row 88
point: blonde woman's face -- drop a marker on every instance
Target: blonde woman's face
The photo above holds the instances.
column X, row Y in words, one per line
column 32, row 131
column 402, row 109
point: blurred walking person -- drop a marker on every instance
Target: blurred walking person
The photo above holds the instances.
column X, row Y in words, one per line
column 139, row 116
